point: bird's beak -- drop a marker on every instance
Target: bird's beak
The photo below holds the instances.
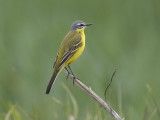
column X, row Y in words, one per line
column 88, row 24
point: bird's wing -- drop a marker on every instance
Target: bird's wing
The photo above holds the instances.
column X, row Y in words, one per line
column 55, row 60
column 70, row 50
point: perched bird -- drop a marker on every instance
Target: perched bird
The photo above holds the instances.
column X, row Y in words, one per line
column 71, row 48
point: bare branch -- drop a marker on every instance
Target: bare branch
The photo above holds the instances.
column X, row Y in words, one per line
column 90, row 92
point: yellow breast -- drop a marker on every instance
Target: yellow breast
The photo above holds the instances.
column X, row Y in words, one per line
column 80, row 50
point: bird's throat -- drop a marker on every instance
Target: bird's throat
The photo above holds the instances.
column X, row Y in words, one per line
column 81, row 30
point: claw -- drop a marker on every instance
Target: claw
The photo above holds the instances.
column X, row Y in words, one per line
column 73, row 79
column 71, row 74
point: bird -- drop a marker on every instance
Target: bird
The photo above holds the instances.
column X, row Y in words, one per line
column 70, row 50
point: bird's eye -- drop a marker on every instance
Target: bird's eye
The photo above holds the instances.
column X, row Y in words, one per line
column 81, row 24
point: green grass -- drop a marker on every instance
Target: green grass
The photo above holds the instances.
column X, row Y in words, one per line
column 71, row 109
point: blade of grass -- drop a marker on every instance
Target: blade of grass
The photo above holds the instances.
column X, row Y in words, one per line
column 75, row 106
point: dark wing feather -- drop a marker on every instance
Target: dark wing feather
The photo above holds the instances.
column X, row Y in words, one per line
column 68, row 54
column 55, row 60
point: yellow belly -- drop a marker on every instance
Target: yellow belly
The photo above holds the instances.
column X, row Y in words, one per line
column 78, row 52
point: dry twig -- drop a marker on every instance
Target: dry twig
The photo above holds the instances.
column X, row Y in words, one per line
column 90, row 92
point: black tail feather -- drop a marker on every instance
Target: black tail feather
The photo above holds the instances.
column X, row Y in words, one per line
column 50, row 83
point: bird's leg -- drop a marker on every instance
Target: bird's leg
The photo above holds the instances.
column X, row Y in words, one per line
column 68, row 72
column 72, row 74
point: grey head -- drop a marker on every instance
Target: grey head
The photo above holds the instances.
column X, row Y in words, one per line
column 79, row 25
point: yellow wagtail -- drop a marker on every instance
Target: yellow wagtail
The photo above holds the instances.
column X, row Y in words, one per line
column 71, row 48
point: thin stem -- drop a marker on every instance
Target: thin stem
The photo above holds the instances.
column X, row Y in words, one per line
column 91, row 93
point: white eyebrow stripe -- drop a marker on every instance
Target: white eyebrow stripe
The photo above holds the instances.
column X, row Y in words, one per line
column 78, row 23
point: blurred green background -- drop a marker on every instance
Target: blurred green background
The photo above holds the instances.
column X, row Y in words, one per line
column 125, row 35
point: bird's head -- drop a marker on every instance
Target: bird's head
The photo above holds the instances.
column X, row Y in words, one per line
column 79, row 25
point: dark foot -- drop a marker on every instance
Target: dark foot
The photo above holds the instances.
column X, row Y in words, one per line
column 74, row 79
column 67, row 73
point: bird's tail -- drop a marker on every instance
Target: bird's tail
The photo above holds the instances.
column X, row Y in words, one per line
column 51, row 82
